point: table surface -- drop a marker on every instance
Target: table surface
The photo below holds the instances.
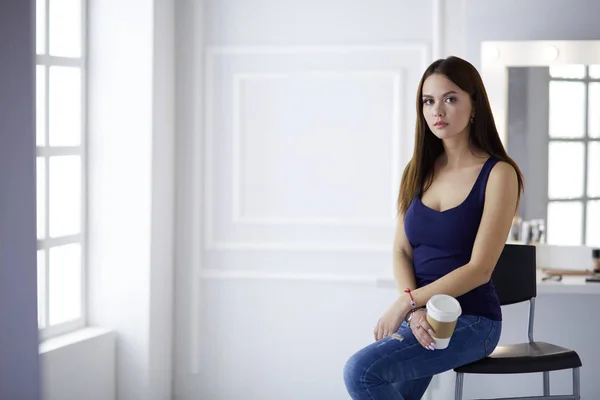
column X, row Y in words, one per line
column 568, row 285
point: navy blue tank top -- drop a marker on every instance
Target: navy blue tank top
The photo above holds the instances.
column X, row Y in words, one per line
column 443, row 241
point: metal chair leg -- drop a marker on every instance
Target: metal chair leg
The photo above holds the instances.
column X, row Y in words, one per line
column 458, row 388
column 546, row 383
column 576, row 384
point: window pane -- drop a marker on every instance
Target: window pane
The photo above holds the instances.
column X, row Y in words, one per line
column 593, row 224
column 565, row 170
column 65, row 28
column 65, row 195
column 40, row 105
column 595, row 71
column 65, row 283
column 593, row 180
column 41, row 287
column 564, row 223
column 41, row 197
column 65, row 106
column 567, row 109
column 572, row 71
column 593, row 107
column 40, row 26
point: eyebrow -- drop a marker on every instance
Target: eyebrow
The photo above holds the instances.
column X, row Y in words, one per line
column 444, row 95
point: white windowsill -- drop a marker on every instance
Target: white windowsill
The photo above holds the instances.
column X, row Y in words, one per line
column 72, row 338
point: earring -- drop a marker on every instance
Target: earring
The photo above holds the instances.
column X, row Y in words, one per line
column 472, row 120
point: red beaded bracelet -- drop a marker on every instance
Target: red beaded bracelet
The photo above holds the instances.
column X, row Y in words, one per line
column 412, row 300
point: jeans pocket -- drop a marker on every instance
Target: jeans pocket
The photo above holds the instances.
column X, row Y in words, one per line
column 468, row 322
column 467, row 328
column 493, row 337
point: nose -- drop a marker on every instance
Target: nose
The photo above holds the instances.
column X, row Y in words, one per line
column 438, row 110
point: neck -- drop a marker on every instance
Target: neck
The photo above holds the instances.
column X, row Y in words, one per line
column 458, row 151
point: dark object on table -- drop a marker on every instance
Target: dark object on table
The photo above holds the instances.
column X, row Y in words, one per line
column 555, row 278
column 596, row 257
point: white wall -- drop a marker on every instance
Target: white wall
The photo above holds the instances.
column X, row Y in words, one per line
column 188, row 119
column 278, row 248
column 264, row 293
column 131, row 170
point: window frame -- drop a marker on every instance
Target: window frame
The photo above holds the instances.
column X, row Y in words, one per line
column 585, row 140
column 45, row 152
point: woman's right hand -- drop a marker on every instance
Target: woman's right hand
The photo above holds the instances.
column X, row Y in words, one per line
column 422, row 330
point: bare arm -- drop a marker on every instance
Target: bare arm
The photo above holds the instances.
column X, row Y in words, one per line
column 499, row 208
column 404, row 272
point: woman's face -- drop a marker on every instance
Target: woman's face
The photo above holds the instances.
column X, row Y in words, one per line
column 446, row 107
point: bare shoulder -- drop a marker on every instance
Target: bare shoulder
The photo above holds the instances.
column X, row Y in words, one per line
column 502, row 175
column 502, row 189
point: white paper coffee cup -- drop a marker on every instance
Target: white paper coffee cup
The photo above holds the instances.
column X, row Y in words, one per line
column 442, row 313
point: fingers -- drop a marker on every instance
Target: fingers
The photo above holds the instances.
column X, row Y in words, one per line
column 422, row 337
column 426, row 327
column 383, row 332
column 423, row 332
column 379, row 332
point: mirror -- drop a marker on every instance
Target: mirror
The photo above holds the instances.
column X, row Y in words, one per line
column 546, row 102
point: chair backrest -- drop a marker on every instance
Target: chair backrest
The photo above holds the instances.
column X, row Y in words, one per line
column 515, row 274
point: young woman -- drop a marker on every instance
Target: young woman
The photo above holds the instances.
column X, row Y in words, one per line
column 456, row 202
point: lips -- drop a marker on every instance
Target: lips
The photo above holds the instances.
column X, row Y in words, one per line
column 440, row 124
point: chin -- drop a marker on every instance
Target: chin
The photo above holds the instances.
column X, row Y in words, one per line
column 446, row 133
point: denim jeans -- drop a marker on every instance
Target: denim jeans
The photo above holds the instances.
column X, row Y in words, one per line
column 398, row 367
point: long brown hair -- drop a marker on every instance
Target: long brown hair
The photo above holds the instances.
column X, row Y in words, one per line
column 418, row 174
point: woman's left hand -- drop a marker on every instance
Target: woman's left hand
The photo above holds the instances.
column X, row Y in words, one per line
column 391, row 320
column 422, row 330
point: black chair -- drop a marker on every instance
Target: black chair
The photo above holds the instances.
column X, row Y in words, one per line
column 515, row 280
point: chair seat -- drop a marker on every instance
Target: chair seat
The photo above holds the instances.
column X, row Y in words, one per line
column 523, row 358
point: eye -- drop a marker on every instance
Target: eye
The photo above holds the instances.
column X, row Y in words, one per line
column 451, row 99
column 428, row 101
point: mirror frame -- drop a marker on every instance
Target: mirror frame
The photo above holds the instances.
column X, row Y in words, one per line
column 498, row 56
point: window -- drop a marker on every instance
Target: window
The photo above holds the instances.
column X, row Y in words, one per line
column 60, row 141
column 574, row 155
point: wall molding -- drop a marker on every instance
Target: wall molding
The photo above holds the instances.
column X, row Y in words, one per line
column 298, row 246
column 219, row 274
column 237, row 142
column 320, row 222
column 424, row 51
column 204, row 62
column 212, row 51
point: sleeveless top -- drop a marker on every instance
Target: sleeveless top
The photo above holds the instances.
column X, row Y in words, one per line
column 442, row 241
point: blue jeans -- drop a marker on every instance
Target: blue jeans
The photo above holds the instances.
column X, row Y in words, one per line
column 398, row 367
